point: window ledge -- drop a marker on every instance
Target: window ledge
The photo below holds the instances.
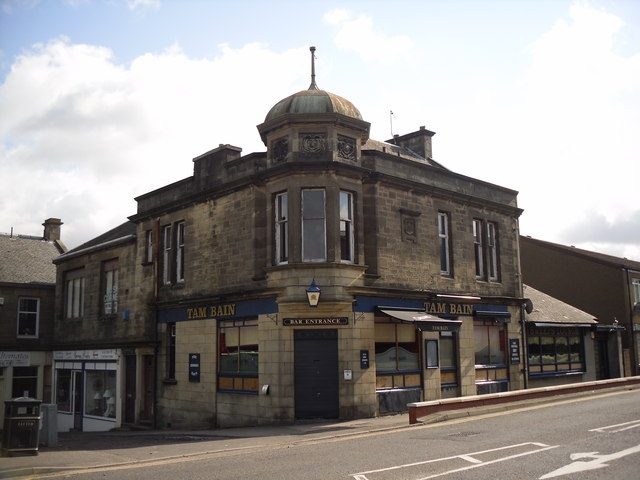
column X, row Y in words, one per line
column 170, row 381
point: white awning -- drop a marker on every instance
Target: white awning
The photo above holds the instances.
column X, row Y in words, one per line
column 423, row 321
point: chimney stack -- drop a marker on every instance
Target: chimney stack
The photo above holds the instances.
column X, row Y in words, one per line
column 52, row 229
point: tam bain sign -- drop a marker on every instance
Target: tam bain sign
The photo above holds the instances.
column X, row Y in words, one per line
column 211, row 311
column 445, row 308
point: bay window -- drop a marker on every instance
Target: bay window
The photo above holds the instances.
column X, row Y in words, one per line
column 314, row 245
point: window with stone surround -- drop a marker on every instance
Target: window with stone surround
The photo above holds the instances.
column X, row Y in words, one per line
column 110, row 287
column 314, row 235
column 28, row 317
column 238, row 355
column 486, row 250
column 173, row 253
column 397, row 353
column 74, row 293
column 445, row 244
column 346, row 228
column 281, row 228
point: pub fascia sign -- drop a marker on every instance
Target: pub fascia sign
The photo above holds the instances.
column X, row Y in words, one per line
column 445, row 308
column 291, row 322
column 211, row 311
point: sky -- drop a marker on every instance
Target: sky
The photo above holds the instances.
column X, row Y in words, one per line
column 102, row 101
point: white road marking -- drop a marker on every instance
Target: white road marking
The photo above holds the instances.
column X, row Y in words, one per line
column 620, row 427
column 599, row 461
column 468, row 457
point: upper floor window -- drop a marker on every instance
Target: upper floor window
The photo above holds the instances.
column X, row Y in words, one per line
column 282, row 228
column 173, row 265
column 28, row 317
column 444, row 240
column 314, row 244
column 148, row 253
column 635, row 285
column 492, row 251
column 346, row 227
column 478, row 248
column 74, row 293
column 180, row 252
column 110, row 286
column 485, row 246
column 166, row 254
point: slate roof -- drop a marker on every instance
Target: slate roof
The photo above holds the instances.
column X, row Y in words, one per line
column 123, row 232
column 602, row 258
column 27, row 259
column 547, row 309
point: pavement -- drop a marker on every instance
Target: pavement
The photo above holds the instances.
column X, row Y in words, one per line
column 99, row 450
column 88, row 451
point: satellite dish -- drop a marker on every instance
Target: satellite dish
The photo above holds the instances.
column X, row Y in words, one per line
column 528, row 306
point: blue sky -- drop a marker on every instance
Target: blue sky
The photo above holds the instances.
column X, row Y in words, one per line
column 103, row 101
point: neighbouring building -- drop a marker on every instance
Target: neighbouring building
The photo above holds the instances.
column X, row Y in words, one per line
column 332, row 276
column 104, row 344
column 563, row 344
column 27, row 289
column 606, row 286
column 416, row 268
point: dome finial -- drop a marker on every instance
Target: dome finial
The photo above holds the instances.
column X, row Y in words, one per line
column 313, row 85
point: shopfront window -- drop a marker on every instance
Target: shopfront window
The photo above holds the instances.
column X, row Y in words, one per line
column 490, row 355
column 448, row 360
column 397, row 355
column 25, row 382
column 100, row 393
column 238, row 357
column 555, row 351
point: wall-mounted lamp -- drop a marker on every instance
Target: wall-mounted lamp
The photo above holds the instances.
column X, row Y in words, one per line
column 313, row 294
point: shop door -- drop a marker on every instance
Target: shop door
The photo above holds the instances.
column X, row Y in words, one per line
column 147, row 406
column 316, row 374
column 78, row 399
column 130, row 389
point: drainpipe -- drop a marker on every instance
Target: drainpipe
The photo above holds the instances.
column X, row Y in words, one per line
column 525, row 356
column 156, row 235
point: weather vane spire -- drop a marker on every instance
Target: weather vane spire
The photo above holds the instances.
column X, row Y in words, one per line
column 313, row 85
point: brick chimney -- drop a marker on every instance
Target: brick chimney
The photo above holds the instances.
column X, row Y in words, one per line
column 52, row 229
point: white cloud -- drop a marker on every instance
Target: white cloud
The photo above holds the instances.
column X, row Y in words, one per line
column 576, row 143
column 359, row 35
column 134, row 4
column 83, row 135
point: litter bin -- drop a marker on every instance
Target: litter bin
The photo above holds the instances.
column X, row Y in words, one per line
column 21, row 426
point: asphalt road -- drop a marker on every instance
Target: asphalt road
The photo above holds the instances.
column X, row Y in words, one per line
column 587, row 438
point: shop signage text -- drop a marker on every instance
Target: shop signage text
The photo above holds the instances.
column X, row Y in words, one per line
column 109, row 354
column 289, row 322
column 211, row 311
column 15, row 359
column 444, row 308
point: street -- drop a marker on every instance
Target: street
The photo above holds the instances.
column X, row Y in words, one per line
column 587, row 438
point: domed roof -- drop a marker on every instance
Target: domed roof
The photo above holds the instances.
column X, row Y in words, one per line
column 313, row 101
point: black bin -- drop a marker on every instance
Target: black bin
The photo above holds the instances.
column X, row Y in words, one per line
column 21, row 426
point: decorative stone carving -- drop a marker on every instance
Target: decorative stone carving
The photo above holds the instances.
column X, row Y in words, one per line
column 312, row 143
column 346, row 148
column 280, row 149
